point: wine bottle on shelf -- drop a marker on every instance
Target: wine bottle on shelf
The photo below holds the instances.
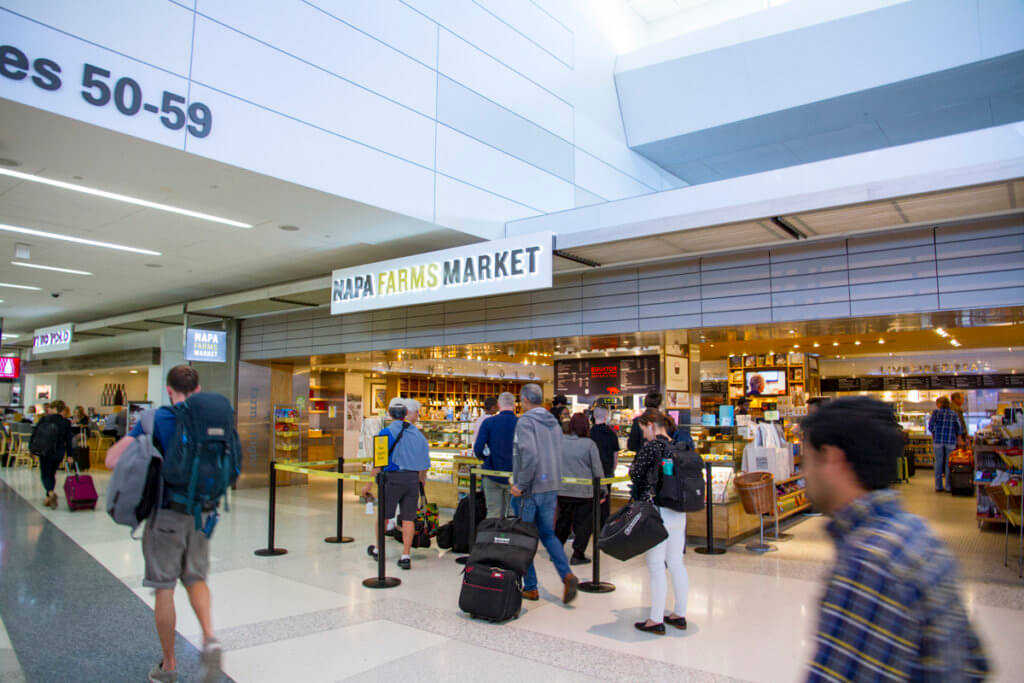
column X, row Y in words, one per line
column 118, row 396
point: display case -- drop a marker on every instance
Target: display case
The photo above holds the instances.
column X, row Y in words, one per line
column 288, row 424
column 919, row 447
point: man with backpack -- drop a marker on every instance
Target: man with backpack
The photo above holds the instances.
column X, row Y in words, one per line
column 51, row 443
column 201, row 459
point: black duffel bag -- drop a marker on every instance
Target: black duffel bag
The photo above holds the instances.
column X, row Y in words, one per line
column 632, row 531
column 509, row 543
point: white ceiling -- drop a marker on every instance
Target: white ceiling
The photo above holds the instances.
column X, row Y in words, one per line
column 200, row 258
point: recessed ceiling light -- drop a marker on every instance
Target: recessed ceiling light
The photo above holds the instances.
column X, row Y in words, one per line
column 133, row 372
column 835, row 343
column 54, row 268
column 123, row 198
column 792, row 331
column 7, row 284
column 941, row 332
column 288, row 228
column 816, row 344
column 77, row 240
column 881, row 341
column 856, row 343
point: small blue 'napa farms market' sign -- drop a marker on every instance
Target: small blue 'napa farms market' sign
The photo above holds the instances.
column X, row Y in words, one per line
column 207, row 346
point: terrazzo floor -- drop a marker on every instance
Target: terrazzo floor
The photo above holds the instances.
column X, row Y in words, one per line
column 306, row 616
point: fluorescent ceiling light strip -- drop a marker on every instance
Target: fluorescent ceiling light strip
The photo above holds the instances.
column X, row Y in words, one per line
column 122, row 198
column 7, row 284
column 42, row 267
column 77, row 240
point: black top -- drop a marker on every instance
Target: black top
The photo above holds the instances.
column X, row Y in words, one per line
column 636, row 436
column 647, row 459
column 607, row 445
column 63, row 446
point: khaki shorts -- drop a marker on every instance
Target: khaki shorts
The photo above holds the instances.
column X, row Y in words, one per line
column 174, row 550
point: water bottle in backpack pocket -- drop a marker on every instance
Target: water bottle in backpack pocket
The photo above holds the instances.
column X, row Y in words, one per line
column 680, row 484
column 204, row 460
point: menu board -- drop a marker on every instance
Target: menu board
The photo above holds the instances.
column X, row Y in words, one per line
column 714, row 387
column 595, row 376
column 921, row 383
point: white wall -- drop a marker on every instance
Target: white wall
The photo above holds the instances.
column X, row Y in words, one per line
column 467, row 113
column 83, row 390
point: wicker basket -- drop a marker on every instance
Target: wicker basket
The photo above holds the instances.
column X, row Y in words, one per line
column 757, row 492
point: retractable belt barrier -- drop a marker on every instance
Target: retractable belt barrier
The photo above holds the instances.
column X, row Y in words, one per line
column 595, row 585
column 309, row 469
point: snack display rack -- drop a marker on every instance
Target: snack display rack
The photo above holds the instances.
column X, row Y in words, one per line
column 287, row 432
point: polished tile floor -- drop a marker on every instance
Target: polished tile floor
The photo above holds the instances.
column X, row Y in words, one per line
column 305, row 616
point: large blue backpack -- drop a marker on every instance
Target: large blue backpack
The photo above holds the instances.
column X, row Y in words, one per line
column 205, row 458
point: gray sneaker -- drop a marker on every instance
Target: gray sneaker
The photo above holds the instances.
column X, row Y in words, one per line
column 158, row 675
column 209, row 662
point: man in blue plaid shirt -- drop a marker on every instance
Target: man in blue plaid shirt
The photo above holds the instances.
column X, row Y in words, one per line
column 946, row 428
column 891, row 609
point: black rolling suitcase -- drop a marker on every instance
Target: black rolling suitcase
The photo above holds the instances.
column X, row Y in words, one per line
column 961, row 479
column 491, row 593
column 506, row 542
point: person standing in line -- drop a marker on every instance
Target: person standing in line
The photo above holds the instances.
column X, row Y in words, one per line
column 636, row 433
column 892, row 606
column 580, row 460
column 494, row 446
column 407, row 468
column 668, row 553
column 536, row 480
column 490, row 409
column 956, row 400
column 945, row 429
column 608, row 448
column 172, row 547
column 51, row 442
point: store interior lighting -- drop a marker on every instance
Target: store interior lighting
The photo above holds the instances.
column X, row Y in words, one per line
column 13, row 286
column 123, row 198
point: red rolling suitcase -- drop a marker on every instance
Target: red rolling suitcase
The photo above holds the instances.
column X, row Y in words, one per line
column 79, row 490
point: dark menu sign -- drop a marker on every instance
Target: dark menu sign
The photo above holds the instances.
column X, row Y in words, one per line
column 595, row 376
column 714, row 387
column 922, row 383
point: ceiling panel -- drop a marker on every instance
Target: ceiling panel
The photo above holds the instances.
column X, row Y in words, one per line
column 850, row 219
column 722, row 237
column 611, row 253
column 958, row 203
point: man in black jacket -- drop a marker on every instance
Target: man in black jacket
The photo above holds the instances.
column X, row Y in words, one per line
column 636, row 436
column 608, row 447
column 51, row 443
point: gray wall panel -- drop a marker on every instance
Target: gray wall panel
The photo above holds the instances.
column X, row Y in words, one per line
column 980, row 266
column 468, row 112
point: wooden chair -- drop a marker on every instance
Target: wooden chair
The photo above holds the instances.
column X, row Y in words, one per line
column 98, row 447
column 20, row 453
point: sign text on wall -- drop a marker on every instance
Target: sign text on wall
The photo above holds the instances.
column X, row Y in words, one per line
column 52, row 339
column 497, row 267
column 208, row 346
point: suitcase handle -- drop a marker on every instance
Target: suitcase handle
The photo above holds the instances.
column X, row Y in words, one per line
column 67, row 469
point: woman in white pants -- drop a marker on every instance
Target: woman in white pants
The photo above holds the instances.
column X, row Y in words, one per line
column 669, row 552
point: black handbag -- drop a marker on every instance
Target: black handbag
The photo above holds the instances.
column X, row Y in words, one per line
column 632, row 531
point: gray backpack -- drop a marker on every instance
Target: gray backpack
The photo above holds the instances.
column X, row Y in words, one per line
column 136, row 485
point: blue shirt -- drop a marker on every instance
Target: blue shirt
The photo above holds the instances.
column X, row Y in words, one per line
column 945, row 426
column 164, row 427
column 892, row 606
column 411, row 453
column 497, row 432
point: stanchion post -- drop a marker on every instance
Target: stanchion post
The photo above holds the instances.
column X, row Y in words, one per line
column 595, row 585
column 709, row 548
column 270, row 550
column 462, row 559
column 381, row 580
column 338, row 537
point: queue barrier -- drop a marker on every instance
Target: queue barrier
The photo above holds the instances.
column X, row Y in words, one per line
column 595, row 585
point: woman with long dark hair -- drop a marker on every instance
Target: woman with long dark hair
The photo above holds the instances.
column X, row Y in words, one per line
column 580, row 460
column 654, row 454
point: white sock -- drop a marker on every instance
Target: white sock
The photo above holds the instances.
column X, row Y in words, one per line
column 406, row 557
column 389, row 525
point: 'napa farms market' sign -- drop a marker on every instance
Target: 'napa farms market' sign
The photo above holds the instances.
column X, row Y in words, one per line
column 206, row 345
column 498, row 267
column 52, row 339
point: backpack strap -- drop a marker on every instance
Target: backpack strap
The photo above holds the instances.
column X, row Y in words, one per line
column 401, row 433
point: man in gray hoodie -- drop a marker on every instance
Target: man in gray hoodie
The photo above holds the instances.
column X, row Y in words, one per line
column 536, row 480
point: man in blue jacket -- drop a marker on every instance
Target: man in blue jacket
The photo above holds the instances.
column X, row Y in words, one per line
column 497, row 434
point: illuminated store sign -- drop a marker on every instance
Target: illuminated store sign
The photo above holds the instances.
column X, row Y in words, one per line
column 206, row 345
column 10, row 368
column 50, row 339
column 498, row 267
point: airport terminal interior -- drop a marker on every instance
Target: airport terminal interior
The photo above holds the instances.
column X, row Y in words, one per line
column 311, row 214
